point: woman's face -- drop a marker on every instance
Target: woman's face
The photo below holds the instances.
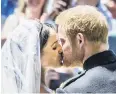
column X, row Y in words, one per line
column 51, row 53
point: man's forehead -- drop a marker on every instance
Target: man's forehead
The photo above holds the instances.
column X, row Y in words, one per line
column 59, row 28
column 60, row 31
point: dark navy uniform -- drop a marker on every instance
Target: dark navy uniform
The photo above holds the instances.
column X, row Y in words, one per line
column 99, row 76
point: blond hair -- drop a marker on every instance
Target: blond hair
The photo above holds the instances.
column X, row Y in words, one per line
column 84, row 19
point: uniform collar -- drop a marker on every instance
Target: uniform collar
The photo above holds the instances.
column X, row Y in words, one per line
column 99, row 59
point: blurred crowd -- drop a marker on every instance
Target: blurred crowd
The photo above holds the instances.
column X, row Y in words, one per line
column 48, row 10
column 14, row 12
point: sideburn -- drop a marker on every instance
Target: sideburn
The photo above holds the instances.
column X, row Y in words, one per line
column 73, row 44
column 72, row 40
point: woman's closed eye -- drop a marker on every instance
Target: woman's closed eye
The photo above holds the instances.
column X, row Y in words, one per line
column 54, row 45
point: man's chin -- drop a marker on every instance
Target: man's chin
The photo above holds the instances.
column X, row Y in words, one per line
column 72, row 63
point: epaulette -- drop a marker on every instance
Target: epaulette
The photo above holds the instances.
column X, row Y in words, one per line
column 69, row 81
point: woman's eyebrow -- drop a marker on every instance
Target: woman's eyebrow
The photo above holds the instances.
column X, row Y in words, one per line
column 54, row 43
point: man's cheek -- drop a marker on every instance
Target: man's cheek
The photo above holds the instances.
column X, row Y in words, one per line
column 67, row 56
column 67, row 60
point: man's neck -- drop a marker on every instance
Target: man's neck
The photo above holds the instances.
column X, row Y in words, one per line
column 94, row 49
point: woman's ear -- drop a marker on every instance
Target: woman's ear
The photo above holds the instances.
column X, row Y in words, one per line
column 80, row 40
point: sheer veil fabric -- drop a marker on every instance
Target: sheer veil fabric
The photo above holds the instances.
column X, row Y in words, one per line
column 20, row 58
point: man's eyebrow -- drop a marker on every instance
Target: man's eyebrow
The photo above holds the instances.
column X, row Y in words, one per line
column 54, row 43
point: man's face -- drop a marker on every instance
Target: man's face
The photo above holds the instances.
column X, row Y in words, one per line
column 73, row 53
column 66, row 47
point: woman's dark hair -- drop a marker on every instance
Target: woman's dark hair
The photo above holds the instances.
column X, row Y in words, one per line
column 44, row 35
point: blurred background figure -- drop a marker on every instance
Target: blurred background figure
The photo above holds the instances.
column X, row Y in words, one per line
column 60, row 5
column 7, row 8
column 26, row 9
column 111, row 5
column 44, row 10
column 54, row 77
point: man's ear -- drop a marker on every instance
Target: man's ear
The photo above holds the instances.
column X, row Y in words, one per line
column 80, row 39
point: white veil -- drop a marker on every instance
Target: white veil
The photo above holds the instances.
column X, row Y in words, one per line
column 20, row 59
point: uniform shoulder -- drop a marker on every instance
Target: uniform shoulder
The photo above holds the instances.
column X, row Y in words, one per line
column 69, row 81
